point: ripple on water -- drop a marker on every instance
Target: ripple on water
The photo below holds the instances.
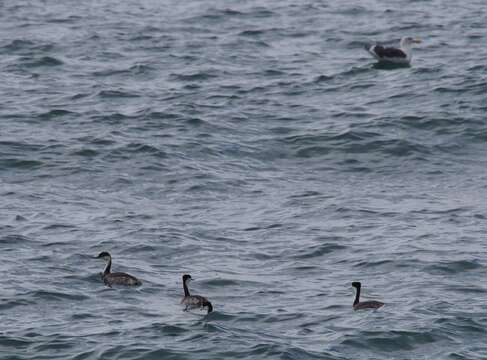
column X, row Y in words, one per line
column 391, row 341
column 16, row 241
column 462, row 323
column 317, row 251
column 43, row 61
column 15, row 343
column 19, row 164
column 10, row 304
column 452, row 267
column 113, row 94
column 197, row 76
column 88, row 153
column 56, row 296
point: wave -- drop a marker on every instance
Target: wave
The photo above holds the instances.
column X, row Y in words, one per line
column 452, row 267
column 20, row 164
column 42, row 61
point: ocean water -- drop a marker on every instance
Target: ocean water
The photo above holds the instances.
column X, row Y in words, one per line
column 256, row 146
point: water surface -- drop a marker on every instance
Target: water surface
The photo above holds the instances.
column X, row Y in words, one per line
column 254, row 145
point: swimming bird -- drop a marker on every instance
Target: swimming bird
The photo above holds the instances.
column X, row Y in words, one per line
column 392, row 55
column 357, row 304
column 194, row 301
column 118, row 278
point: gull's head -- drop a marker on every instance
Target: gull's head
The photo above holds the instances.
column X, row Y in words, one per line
column 408, row 41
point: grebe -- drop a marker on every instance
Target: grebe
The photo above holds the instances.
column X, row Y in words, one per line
column 118, row 278
column 357, row 304
column 194, row 301
column 401, row 55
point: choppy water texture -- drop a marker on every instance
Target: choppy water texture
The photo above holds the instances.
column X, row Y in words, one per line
column 256, row 146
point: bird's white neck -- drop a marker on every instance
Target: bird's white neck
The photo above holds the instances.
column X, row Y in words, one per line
column 405, row 45
column 108, row 266
column 185, row 287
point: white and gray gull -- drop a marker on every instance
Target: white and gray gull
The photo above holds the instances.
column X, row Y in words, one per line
column 194, row 301
column 358, row 305
column 117, row 278
column 393, row 55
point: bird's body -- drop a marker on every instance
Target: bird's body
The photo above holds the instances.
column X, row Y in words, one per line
column 194, row 301
column 392, row 55
column 359, row 305
column 368, row 305
column 118, row 278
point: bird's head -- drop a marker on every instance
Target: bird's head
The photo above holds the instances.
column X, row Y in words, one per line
column 408, row 41
column 104, row 255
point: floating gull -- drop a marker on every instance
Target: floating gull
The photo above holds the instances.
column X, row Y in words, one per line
column 392, row 55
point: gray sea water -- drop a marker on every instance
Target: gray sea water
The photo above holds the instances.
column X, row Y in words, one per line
column 256, row 146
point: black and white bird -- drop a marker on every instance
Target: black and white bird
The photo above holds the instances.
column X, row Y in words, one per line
column 117, row 278
column 194, row 301
column 393, row 55
column 358, row 305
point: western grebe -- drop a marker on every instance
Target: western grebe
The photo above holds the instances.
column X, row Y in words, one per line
column 357, row 304
column 118, row 278
column 194, row 301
